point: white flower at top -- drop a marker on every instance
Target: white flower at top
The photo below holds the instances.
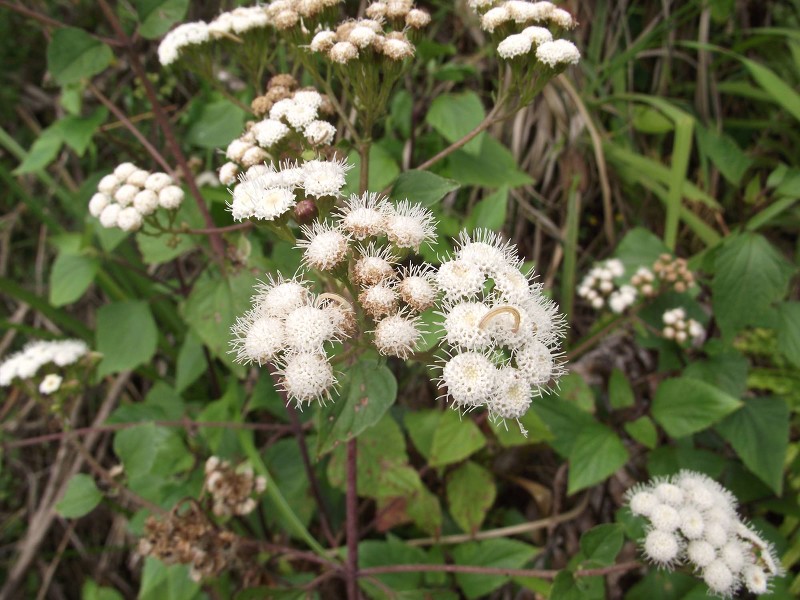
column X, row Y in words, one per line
column 325, row 246
column 410, row 225
column 558, row 53
column 692, row 519
column 180, row 38
column 598, row 285
column 365, row 215
column 397, row 335
column 679, row 328
column 325, row 178
column 50, row 384
column 516, row 44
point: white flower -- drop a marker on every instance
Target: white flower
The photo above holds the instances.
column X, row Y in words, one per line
column 486, row 250
column 124, row 195
column 50, row 384
column 459, row 279
column 701, row 553
column 514, row 45
column 537, row 35
column 417, row 288
column 278, row 296
column 228, row 173
column 734, row 556
column 365, row 215
column 97, row 203
column 470, row 378
column 281, row 108
column 361, row 36
column 621, row 299
column 320, row 133
column 477, row 4
column 170, row 197
column 138, row 178
column 397, row 335
column 306, row 377
column 756, row 580
column 536, row 363
column 324, row 178
column 410, row 225
column 661, row 547
column 562, row 18
column 273, row 202
column 642, row 502
column 157, row 182
column 665, row 518
column 25, row 363
column 301, row 115
column 692, row 522
column 461, row 326
column 269, row 132
column 513, row 396
column 397, row 49
column 417, row 19
column 310, row 98
column 669, row 493
column 323, row 41
column 343, row 52
column 184, row 35
column 376, row 10
column 307, row 328
column 374, row 265
column 145, row 202
column 379, row 300
column 256, row 338
column 254, row 156
column 129, row 219
column 123, row 170
column 494, row 18
column 108, row 185
column 719, row 579
column 236, row 149
column 325, row 246
column 109, row 215
column 558, row 53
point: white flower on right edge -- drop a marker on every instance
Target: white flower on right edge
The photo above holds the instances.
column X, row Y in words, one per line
column 693, row 521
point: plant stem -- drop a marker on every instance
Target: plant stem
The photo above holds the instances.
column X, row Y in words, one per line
column 166, row 128
column 351, row 568
column 539, row 573
column 297, row 427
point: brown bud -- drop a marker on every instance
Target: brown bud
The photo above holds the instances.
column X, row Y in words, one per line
column 261, row 105
column 305, row 211
column 282, row 80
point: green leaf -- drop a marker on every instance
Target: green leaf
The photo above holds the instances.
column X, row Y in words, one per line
column 191, row 362
column 726, row 370
column 43, row 151
column 643, row 431
column 509, row 434
column 565, row 587
column 373, row 553
column 422, row 187
column 620, row 393
column 92, row 591
column 668, row 460
column 73, row 54
column 455, row 115
column 649, row 120
column 421, row 425
column 218, row 124
column 789, row 331
column 494, row 167
column 781, row 92
column 212, row 307
column 162, row 582
column 368, row 391
column 601, row 544
column 470, row 494
column 135, row 449
column 286, row 467
column 490, row 212
column 750, row 275
column 72, row 274
column 78, row 131
column 80, row 498
column 504, row 553
column 573, row 388
column 759, row 432
column 724, row 153
column 565, row 420
column 639, row 248
column 596, row 454
column 454, row 439
column 157, row 16
column 127, row 335
column 683, row 406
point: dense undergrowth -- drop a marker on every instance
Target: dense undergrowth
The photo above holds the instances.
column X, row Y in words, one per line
column 659, row 173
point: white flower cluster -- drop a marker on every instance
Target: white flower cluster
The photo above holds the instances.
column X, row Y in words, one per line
column 285, row 14
column 506, row 18
column 232, row 489
column 598, row 286
column 390, row 296
column 677, row 327
column 367, row 40
column 501, row 332
column 27, row 362
column 180, row 39
column 239, row 21
column 266, row 192
column 295, row 116
column 289, row 327
column 644, row 281
column 129, row 194
column 693, row 521
column 674, row 272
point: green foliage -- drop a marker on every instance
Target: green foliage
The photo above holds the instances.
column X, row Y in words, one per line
column 455, row 115
column 506, row 553
column 422, row 187
column 470, row 493
column 156, row 17
column 127, row 335
column 217, row 125
column 74, row 55
column 80, row 498
column 683, row 406
column 72, row 274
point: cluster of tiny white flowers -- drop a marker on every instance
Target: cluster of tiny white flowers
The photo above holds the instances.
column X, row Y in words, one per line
column 289, row 327
column 673, row 272
column 364, row 234
column 286, row 14
column 598, row 284
column 266, row 192
column 295, row 116
column 501, row 333
column 374, row 37
column 232, row 489
column 27, row 362
column 693, row 521
column 677, row 327
column 534, row 38
column 129, row 194
column 183, row 37
column 239, row 21
column 644, row 281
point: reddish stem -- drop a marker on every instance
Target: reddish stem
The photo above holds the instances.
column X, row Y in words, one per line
column 351, row 568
